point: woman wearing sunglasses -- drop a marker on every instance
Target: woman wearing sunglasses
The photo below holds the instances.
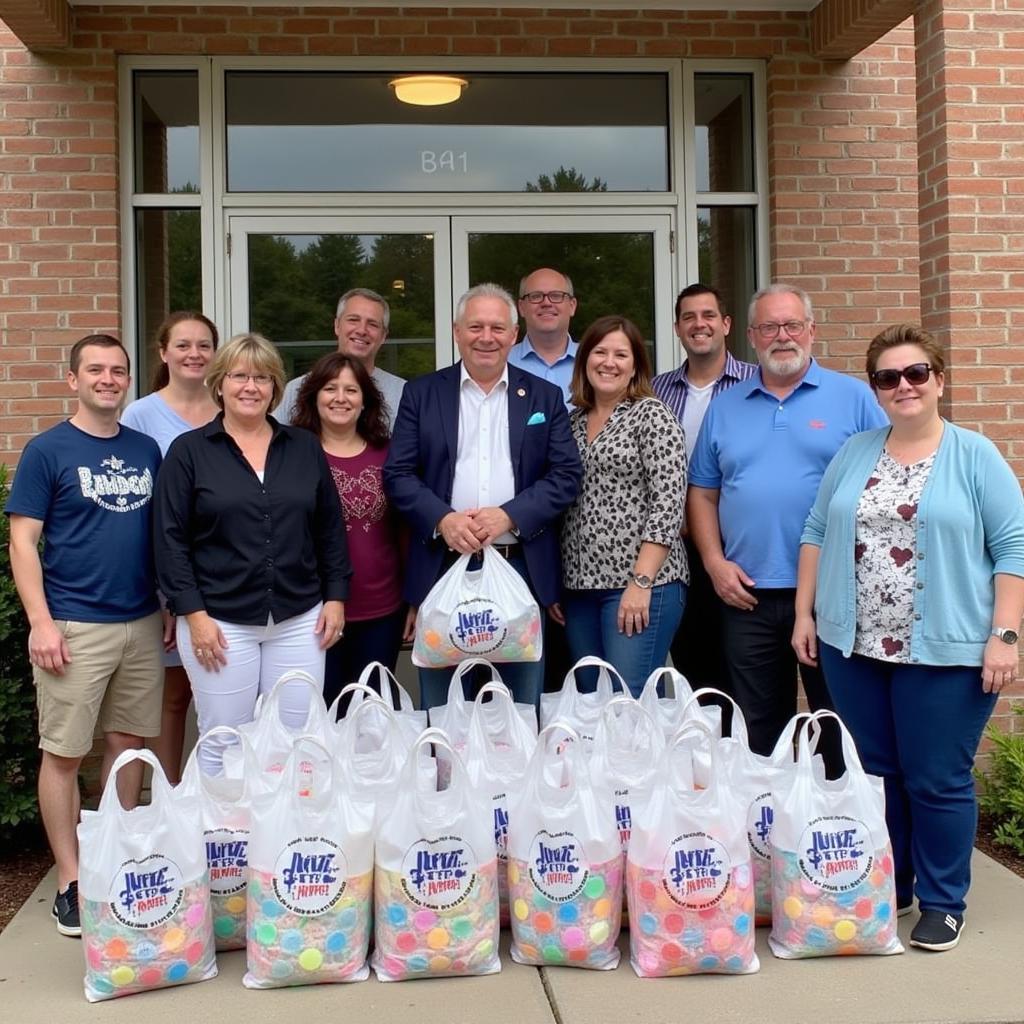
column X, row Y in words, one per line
column 911, row 592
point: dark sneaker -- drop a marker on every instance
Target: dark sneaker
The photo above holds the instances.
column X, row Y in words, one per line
column 937, row 930
column 65, row 911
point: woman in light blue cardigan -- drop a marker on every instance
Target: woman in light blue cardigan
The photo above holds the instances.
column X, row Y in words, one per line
column 911, row 591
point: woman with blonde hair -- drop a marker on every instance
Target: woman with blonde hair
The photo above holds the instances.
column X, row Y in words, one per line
column 250, row 545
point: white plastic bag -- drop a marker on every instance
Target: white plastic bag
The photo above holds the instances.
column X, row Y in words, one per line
column 487, row 612
column 688, row 878
column 311, row 877
column 833, row 883
column 371, row 748
column 582, row 710
column 226, row 811
column 670, row 711
column 453, row 716
column 565, row 860
column 270, row 740
column 390, row 691
column 436, row 878
column 499, row 745
column 144, row 895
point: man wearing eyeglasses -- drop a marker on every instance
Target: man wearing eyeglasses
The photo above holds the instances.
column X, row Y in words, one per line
column 760, row 456
column 546, row 304
column 361, row 327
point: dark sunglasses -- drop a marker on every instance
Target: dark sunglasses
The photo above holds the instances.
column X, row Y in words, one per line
column 915, row 373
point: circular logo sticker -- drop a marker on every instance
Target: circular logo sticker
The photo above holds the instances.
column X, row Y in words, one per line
column 696, row 871
column 476, row 626
column 227, row 855
column 146, row 892
column 760, row 815
column 835, row 852
column 558, row 866
column 438, row 873
column 310, row 875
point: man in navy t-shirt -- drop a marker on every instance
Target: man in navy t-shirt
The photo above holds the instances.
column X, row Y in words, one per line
column 85, row 488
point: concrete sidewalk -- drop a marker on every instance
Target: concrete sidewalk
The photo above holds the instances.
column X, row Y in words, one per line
column 982, row 980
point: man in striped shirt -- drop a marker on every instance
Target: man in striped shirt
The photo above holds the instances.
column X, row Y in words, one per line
column 702, row 325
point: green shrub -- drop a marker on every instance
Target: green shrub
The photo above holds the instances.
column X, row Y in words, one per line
column 19, row 740
column 1002, row 787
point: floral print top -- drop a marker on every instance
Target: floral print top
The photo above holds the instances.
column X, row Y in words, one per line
column 885, row 554
column 633, row 490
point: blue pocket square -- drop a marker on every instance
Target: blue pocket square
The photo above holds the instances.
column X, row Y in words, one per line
column 537, row 417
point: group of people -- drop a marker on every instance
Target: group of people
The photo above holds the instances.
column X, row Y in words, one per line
column 248, row 526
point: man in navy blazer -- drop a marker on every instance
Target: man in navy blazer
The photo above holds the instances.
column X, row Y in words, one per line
column 481, row 454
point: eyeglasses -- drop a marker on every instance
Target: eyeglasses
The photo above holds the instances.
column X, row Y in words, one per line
column 794, row 328
column 538, row 297
column 261, row 380
column 887, row 380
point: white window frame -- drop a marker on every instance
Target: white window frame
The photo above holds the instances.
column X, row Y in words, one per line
column 215, row 202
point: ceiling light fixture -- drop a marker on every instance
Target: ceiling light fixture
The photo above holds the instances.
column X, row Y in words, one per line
column 428, row 90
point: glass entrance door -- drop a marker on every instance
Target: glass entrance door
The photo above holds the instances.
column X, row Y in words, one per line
column 286, row 272
column 617, row 264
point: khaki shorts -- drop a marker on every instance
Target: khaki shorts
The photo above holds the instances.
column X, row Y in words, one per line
column 115, row 679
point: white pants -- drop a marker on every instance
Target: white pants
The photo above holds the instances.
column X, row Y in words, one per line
column 257, row 657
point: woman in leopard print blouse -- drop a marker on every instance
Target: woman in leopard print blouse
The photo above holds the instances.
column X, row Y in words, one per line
column 623, row 562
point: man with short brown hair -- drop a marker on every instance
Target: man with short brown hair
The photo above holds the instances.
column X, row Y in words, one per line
column 86, row 486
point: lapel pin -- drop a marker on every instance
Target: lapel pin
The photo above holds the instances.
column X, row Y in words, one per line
column 521, row 392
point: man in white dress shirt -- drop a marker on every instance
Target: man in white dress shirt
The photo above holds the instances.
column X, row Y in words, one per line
column 482, row 455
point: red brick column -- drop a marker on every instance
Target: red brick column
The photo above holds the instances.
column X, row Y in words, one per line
column 970, row 115
column 970, row 98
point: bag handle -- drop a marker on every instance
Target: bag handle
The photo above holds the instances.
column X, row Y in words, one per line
column 456, row 695
column 650, row 690
column 695, row 725
column 783, row 752
column 739, row 724
column 347, row 725
column 402, row 700
column 160, row 788
column 366, row 693
column 534, row 778
column 458, row 783
column 605, row 684
column 513, row 725
column 807, row 742
column 195, row 778
column 629, row 705
column 317, row 710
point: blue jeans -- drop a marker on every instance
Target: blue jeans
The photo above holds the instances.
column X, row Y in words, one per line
column 918, row 726
column 591, row 623
column 524, row 678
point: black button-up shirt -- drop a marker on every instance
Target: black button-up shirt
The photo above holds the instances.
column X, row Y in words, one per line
column 242, row 549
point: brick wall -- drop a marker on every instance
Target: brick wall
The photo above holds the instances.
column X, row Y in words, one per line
column 843, row 209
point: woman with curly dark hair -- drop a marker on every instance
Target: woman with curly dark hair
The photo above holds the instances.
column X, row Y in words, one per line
column 340, row 403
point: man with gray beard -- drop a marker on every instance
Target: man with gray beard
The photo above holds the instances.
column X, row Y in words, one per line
column 760, row 456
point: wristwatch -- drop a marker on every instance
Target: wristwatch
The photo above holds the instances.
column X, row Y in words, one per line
column 1008, row 636
column 642, row 581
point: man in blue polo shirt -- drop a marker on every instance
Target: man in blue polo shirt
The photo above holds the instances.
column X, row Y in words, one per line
column 762, row 450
